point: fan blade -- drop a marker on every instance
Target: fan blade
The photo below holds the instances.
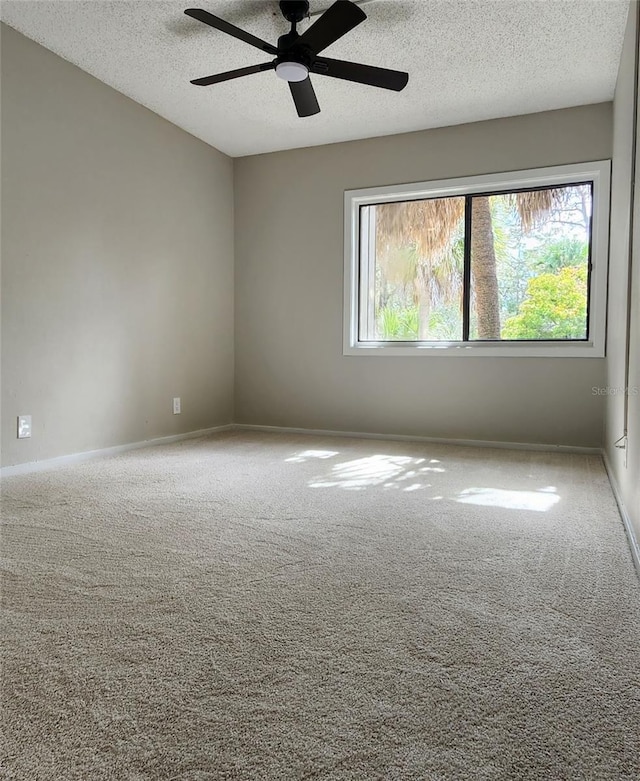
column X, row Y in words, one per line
column 362, row 74
column 218, row 77
column 304, row 97
column 335, row 22
column 230, row 29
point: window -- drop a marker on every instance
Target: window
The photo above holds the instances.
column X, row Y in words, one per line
column 508, row 264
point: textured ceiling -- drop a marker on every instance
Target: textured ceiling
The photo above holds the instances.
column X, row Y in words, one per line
column 468, row 60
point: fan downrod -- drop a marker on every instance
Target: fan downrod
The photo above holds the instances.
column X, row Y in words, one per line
column 294, row 11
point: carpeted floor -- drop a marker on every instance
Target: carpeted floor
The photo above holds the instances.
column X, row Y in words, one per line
column 254, row 606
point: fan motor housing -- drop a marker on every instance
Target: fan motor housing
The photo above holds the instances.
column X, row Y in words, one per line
column 294, row 11
column 289, row 51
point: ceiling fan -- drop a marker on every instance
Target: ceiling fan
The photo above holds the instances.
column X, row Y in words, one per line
column 296, row 56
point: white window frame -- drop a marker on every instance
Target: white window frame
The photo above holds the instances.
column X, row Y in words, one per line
column 598, row 172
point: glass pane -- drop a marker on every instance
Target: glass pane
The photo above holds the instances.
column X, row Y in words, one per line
column 412, row 270
column 530, row 264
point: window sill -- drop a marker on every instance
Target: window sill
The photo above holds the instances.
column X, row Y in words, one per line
column 477, row 349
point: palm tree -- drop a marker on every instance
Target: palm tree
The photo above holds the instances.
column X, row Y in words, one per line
column 430, row 226
column 483, row 269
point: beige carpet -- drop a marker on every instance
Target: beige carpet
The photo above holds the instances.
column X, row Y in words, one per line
column 258, row 606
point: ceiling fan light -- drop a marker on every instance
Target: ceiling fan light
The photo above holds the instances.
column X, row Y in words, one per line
column 292, row 71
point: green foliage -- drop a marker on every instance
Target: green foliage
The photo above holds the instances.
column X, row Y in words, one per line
column 555, row 307
column 445, row 323
column 401, row 324
column 560, row 254
column 398, row 324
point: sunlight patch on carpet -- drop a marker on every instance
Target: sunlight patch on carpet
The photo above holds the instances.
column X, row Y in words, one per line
column 375, row 470
column 538, row 501
column 306, row 455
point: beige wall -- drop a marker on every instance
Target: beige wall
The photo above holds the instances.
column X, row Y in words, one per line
column 627, row 475
column 117, row 265
column 117, row 278
column 290, row 370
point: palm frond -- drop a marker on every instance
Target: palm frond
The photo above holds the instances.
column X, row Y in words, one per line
column 428, row 225
column 534, row 206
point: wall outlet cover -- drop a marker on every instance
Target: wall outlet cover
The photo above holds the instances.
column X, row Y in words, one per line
column 24, row 426
column 176, row 406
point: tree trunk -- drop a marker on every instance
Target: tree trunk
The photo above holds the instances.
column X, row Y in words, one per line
column 483, row 268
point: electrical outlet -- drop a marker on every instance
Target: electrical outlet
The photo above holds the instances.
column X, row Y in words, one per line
column 623, row 444
column 24, row 426
column 176, row 406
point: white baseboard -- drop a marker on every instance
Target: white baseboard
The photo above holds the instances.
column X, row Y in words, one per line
column 90, row 455
column 75, row 458
column 410, row 438
column 624, row 514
